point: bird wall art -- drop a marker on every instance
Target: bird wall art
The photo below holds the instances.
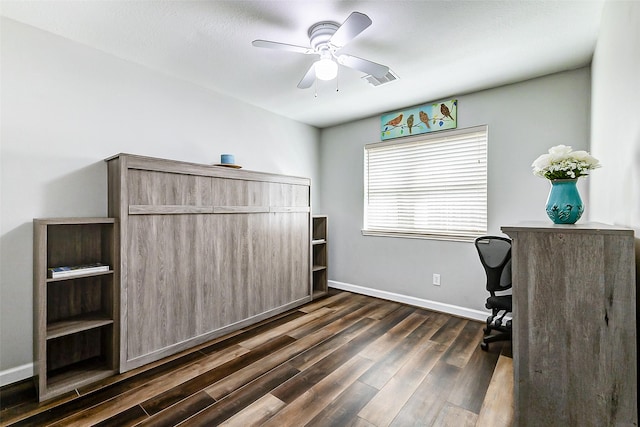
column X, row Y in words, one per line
column 425, row 118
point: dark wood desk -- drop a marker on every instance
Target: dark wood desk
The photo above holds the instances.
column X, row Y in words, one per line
column 574, row 336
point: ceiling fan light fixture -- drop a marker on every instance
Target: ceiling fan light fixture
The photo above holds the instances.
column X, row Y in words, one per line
column 326, row 69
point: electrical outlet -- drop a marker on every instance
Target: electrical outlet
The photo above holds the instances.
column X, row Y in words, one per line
column 436, row 280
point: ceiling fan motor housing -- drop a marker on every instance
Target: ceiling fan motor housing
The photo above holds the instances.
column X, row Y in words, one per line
column 320, row 34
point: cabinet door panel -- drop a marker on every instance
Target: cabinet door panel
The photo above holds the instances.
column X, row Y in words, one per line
column 236, row 192
column 162, row 282
column 260, row 295
column 289, row 195
column 289, row 256
column 231, row 254
column 161, row 188
column 142, row 277
column 208, row 289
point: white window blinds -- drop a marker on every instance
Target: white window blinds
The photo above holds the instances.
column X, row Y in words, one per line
column 430, row 186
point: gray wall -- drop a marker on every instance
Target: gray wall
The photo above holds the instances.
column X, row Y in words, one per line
column 524, row 119
column 66, row 107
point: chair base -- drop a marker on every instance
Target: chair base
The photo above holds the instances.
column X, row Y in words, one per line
column 504, row 333
column 503, row 336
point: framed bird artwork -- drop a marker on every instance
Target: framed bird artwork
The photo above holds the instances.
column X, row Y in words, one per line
column 416, row 120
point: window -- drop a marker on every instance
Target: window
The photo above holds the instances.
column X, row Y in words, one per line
column 432, row 186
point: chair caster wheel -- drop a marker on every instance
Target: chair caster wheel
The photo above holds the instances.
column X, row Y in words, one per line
column 484, row 346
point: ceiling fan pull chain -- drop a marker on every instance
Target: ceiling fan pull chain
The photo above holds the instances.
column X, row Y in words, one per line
column 315, row 88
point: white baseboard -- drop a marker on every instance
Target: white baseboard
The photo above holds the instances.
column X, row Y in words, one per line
column 18, row 373
column 455, row 310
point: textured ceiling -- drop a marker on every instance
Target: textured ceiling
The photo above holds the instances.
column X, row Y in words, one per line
column 439, row 49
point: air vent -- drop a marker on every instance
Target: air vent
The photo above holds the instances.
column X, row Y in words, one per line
column 376, row 81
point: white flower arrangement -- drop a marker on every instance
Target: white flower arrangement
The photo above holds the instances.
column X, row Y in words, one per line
column 563, row 163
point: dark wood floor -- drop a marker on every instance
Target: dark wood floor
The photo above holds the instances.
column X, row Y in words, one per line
column 345, row 360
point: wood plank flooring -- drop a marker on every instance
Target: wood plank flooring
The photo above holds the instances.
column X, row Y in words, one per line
column 344, row 360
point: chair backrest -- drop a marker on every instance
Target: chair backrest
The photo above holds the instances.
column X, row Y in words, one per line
column 495, row 256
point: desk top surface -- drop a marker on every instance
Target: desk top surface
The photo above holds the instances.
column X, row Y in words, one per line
column 585, row 227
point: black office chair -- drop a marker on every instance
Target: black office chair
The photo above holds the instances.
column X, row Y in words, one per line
column 495, row 255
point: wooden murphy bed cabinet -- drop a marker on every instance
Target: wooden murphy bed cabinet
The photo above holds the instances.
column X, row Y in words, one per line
column 574, row 325
column 75, row 317
column 205, row 250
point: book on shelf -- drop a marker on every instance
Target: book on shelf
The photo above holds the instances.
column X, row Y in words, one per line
column 76, row 270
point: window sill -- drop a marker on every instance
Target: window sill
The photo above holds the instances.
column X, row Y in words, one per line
column 451, row 238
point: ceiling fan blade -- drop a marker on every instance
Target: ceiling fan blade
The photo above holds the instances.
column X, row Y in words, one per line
column 355, row 24
column 376, row 70
column 308, row 78
column 282, row 46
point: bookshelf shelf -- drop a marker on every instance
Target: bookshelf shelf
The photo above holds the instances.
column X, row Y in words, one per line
column 77, row 324
column 79, row 276
column 77, row 375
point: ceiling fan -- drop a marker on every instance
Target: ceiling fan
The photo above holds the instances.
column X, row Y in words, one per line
column 326, row 39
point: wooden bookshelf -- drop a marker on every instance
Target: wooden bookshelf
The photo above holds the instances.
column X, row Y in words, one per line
column 320, row 255
column 75, row 333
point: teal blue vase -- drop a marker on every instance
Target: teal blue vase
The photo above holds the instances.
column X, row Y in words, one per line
column 564, row 205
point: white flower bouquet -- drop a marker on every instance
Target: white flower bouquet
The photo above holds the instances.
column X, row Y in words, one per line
column 563, row 163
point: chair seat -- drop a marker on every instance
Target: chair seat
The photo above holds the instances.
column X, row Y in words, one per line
column 501, row 302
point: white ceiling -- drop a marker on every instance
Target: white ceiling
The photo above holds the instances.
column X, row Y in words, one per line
column 439, row 49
